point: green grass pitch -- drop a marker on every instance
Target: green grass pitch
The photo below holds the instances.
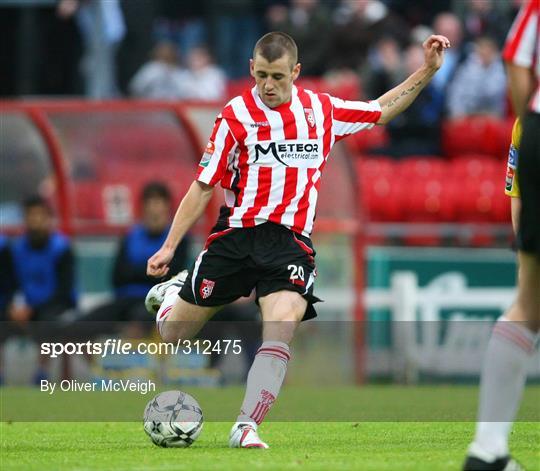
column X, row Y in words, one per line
column 362, row 445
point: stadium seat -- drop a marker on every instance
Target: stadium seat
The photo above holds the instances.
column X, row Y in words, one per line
column 414, row 167
column 370, row 167
column 429, row 199
column 381, row 198
column 475, row 166
column 482, row 200
column 374, row 138
column 477, row 134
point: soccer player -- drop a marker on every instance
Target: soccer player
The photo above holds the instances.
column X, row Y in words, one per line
column 512, row 343
column 268, row 149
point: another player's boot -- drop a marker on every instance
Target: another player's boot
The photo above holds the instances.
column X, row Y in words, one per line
column 244, row 435
column 478, row 460
column 156, row 295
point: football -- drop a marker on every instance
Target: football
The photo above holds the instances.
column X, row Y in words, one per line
column 173, row 419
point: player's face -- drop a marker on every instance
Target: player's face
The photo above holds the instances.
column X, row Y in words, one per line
column 274, row 79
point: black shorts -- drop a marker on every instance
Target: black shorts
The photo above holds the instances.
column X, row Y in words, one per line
column 529, row 184
column 268, row 258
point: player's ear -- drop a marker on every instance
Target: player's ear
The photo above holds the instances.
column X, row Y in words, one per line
column 296, row 71
column 251, row 68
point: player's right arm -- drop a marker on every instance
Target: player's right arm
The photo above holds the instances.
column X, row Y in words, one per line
column 212, row 167
column 191, row 208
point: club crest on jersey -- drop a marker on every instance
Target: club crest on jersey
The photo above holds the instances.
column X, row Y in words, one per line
column 210, row 148
column 310, row 117
column 207, row 286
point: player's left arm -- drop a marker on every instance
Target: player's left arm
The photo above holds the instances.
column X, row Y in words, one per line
column 400, row 98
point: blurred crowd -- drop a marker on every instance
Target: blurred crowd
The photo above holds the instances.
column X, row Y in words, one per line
column 200, row 50
column 39, row 286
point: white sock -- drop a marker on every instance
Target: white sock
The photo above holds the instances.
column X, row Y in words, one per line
column 264, row 381
column 501, row 386
column 169, row 300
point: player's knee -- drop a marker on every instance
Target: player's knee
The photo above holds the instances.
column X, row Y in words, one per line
column 289, row 314
column 290, row 309
column 167, row 333
column 173, row 332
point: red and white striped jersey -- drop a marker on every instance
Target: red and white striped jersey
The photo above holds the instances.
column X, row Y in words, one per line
column 522, row 46
column 270, row 160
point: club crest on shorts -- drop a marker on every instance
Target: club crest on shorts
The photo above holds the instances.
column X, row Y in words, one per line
column 207, row 286
column 310, row 117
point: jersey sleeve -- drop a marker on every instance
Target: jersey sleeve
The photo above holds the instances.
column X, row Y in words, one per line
column 349, row 117
column 219, row 149
column 521, row 41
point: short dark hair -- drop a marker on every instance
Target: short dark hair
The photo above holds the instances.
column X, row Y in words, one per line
column 36, row 201
column 275, row 45
column 156, row 190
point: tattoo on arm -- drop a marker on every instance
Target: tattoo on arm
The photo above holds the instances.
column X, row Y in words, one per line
column 404, row 93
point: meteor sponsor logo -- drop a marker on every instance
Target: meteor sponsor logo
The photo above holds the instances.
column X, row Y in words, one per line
column 290, row 154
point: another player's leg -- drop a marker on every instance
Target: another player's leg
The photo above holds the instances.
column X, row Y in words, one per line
column 281, row 311
column 504, row 373
column 176, row 319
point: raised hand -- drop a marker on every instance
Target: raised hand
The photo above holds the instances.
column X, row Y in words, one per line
column 434, row 47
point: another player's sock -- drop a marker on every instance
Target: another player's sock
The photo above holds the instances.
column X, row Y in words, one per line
column 264, row 381
column 170, row 298
column 501, row 386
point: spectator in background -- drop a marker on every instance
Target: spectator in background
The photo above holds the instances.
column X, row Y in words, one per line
column 419, row 12
column 308, row 22
column 358, row 25
column 235, row 28
column 102, row 28
column 202, row 80
column 479, row 85
column 5, row 296
column 416, row 131
column 182, row 23
column 383, row 68
column 139, row 18
column 43, row 267
column 6, row 281
column 129, row 278
column 161, row 77
column 449, row 25
column 481, row 18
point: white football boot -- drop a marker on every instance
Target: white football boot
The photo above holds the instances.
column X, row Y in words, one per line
column 244, row 435
column 156, row 295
